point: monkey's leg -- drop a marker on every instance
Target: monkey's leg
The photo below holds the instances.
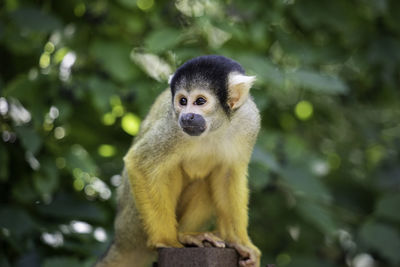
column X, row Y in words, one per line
column 117, row 257
column 129, row 245
column 194, row 212
column 231, row 195
column 156, row 199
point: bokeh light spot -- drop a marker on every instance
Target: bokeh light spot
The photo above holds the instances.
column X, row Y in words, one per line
column 108, row 119
column 118, row 111
column 61, row 162
column 59, row 132
column 145, row 4
column 81, row 227
column 375, row 153
column 89, row 191
column 44, row 60
column 283, row 259
column 304, row 110
column 79, row 184
column 80, row 10
column 49, row 47
column 287, row 121
column 60, row 54
column 3, row 106
column 106, row 150
column 115, row 100
column 100, row 234
column 130, row 123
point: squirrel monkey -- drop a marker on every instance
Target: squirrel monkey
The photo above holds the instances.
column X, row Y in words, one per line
column 187, row 165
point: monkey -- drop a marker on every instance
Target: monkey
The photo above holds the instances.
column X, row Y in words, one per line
column 187, row 165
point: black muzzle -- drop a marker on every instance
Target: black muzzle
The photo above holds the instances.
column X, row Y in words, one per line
column 193, row 124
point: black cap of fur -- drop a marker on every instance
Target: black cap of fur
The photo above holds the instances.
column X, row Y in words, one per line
column 212, row 69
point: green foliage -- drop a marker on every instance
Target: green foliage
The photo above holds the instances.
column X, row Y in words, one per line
column 77, row 77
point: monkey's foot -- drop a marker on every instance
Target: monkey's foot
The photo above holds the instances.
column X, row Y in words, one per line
column 201, row 240
column 249, row 255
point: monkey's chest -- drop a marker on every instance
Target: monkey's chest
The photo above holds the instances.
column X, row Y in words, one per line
column 198, row 168
column 201, row 159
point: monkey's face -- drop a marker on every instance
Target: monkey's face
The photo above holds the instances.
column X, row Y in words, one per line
column 195, row 110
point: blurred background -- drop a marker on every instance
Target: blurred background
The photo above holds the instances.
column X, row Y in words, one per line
column 78, row 77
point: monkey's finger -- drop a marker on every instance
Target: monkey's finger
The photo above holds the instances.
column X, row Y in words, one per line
column 207, row 244
column 214, row 240
column 247, row 263
column 220, row 244
column 190, row 240
column 242, row 250
column 196, row 242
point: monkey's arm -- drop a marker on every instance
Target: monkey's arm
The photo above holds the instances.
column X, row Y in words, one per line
column 231, row 195
column 155, row 192
column 155, row 187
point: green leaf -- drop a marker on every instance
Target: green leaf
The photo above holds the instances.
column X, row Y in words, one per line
column 114, row 58
column 4, row 159
column 383, row 239
column 23, row 191
column 388, row 207
column 20, row 87
column 317, row 82
column 317, row 214
column 43, row 184
column 65, row 109
column 16, row 220
column 47, row 180
column 30, row 139
column 258, row 176
column 79, row 158
column 4, row 261
column 36, row 20
column 128, row 3
column 61, row 262
column 1, row 31
column 307, row 261
column 263, row 68
column 67, row 207
column 265, row 158
column 163, row 39
column 304, row 183
column 101, row 92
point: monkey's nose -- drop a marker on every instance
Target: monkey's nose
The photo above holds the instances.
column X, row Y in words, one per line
column 192, row 123
column 188, row 117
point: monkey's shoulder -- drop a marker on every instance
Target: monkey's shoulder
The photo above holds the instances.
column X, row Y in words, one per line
column 246, row 120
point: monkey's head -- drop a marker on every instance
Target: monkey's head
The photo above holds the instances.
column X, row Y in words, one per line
column 206, row 91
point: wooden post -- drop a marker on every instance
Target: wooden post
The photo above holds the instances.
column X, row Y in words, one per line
column 198, row 257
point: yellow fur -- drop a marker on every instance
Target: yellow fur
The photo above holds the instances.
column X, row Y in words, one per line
column 175, row 183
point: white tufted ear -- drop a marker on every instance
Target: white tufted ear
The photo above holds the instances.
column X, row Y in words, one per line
column 170, row 78
column 238, row 89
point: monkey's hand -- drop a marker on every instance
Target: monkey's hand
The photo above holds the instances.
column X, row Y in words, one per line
column 201, row 240
column 249, row 255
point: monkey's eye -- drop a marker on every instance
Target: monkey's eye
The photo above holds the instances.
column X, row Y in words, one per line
column 183, row 101
column 200, row 101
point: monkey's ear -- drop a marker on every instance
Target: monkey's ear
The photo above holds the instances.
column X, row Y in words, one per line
column 170, row 78
column 238, row 89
